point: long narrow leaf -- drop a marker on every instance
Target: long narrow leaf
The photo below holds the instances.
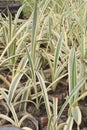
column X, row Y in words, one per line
column 16, row 79
column 33, row 43
column 57, row 52
column 45, row 95
column 76, row 113
column 13, row 113
column 2, row 116
column 30, row 61
column 69, row 124
column 18, row 32
column 72, row 71
column 5, row 96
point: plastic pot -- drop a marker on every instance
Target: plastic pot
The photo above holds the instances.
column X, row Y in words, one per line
column 30, row 121
column 13, row 6
column 3, row 110
column 9, row 127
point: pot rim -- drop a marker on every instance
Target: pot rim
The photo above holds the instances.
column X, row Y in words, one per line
column 10, row 126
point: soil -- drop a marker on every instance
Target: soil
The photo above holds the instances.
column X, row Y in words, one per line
column 61, row 92
column 83, row 108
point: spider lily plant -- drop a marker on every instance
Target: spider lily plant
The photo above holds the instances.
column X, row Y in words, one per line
column 32, row 55
column 34, row 51
column 74, row 113
column 8, row 95
column 12, row 31
column 74, row 87
column 82, row 40
column 12, row 39
column 53, row 120
column 57, row 69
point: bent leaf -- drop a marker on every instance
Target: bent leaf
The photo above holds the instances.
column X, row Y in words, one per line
column 76, row 113
column 69, row 124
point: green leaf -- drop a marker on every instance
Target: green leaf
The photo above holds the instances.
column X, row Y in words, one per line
column 13, row 113
column 69, row 124
column 29, row 117
column 49, row 123
column 30, row 61
column 57, row 52
column 72, row 72
column 45, row 95
column 80, row 97
column 14, row 37
column 74, row 91
column 2, row 116
column 33, row 42
column 76, row 113
column 23, row 118
column 61, row 126
column 5, row 96
column 10, row 26
column 16, row 19
column 45, row 5
column 17, row 78
column 25, row 96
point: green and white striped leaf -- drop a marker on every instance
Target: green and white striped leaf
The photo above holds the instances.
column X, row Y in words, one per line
column 13, row 113
column 25, row 96
column 15, row 36
column 30, row 61
column 72, row 72
column 17, row 78
column 61, row 126
column 45, row 95
column 69, row 124
column 49, row 123
column 5, row 96
column 2, row 116
column 16, row 19
column 45, row 5
column 73, row 92
column 34, row 28
column 80, row 97
column 57, row 52
column 76, row 113
column 23, row 118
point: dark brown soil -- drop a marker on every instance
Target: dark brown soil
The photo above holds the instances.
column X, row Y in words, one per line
column 83, row 107
column 3, row 110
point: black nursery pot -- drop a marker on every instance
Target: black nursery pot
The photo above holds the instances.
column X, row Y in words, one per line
column 13, row 7
column 3, row 110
